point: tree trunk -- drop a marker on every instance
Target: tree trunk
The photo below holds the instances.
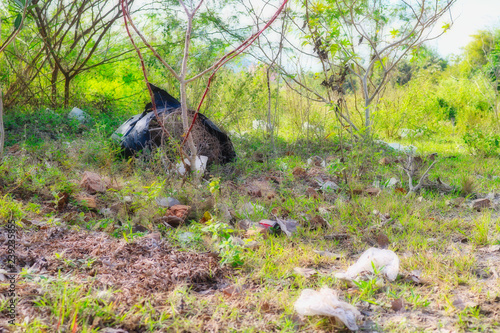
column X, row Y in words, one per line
column 66, row 90
column 367, row 119
column 53, row 84
column 186, row 124
column 2, row 130
column 183, row 86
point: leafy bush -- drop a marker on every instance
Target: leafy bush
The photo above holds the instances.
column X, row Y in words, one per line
column 485, row 143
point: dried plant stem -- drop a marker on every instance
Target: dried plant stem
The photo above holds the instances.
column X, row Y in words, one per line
column 410, row 172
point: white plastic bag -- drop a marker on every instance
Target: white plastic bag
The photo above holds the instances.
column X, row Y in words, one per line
column 325, row 302
column 386, row 260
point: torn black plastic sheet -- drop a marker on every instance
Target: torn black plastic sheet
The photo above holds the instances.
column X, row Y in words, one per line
column 134, row 135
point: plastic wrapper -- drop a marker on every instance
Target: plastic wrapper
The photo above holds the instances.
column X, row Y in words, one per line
column 325, row 302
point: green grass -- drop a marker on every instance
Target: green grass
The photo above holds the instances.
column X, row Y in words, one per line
column 444, row 242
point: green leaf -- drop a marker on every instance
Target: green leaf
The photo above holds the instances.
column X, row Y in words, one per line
column 17, row 23
column 18, row 3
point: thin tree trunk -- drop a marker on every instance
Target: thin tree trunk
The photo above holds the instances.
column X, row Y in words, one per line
column 2, row 130
column 66, row 90
column 183, row 86
column 270, row 125
column 53, row 83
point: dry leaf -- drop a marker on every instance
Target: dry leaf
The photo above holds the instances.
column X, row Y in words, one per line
column 397, row 304
column 92, row 182
column 318, row 221
column 88, row 201
column 383, row 241
column 312, row 193
column 481, row 203
column 384, row 161
column 232, row 290
column 299, row 172
column 373, row 191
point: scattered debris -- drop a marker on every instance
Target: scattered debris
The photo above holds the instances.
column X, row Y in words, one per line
column 249, row 209
column 386, row 260
column 328, row 254
column 92, row 182
column 88, row 201
column 261, row 125
column 316, row 161
column 312, row 128
column 171, row 221
column 167, row 202
column 480, row 203
column 325, row 302
column 299, row 172
column 392, row 182
column 312, row 193
column 268, row 223
column 289, row 227
column 372, row 191
column 186, row 237
column 399, row 147
column 180, row 211
column 305, row 272
column 200, row 165
column 328, row 185
column 81, row 116
column 414, row 277
column 318, row 221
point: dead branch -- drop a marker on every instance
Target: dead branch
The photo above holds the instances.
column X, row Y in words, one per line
column 410, row 169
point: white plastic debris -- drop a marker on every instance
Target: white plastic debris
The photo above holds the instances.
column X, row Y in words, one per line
column 316, row 161
column 385, row 261
column 167, row 202
column 261, row 125
column 399, row 147
column 80, row 115
column 200, row 165
column 326, row 185
column 325, row 302
column 309, row 127
column 392, row 182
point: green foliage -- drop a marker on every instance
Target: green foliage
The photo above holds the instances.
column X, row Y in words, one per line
column 10, row 210
column 482, row 142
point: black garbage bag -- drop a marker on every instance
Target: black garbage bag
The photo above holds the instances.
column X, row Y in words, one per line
column 138, row 132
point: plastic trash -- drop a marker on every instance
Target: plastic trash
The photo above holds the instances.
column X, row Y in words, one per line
column 399, row 147
column 199, row 166
column 134, row 134
column 325, row 302
column 80, row 115
column 385, row 261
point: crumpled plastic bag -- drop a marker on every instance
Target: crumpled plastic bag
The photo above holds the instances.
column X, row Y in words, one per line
column 386, row 260
column 325, row 302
